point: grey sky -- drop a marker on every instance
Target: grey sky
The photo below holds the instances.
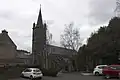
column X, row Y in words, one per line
column 101, row 11
column 17, row 16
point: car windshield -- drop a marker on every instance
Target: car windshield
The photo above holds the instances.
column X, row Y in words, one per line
column 115, row 67
column 101, row 67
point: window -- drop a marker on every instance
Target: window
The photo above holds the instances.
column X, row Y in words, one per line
column 27, row 70
column 101, row 67
column 37, row 70
column 115, row 67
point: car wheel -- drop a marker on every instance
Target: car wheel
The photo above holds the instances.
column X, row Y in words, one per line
column 96, row 73
column 31, row 77
column 40, row 77
column 107, row 76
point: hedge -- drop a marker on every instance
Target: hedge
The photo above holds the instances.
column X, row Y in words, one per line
column 50, row 72
column 12, row 72
column 47, row 72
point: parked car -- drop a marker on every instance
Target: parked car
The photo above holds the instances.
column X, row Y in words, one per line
column 112, row 71
column 32, row 73
column 98, row 70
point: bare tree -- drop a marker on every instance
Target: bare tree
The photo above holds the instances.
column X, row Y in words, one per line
column 70, row 39
column 48, row 36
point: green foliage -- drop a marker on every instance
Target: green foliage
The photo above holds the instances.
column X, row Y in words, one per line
column 3, row 77
column 103, row 44
column 50, row 72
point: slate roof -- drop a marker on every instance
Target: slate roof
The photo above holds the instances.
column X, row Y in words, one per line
column 5, row 39
column 61, row 50
column 23, row 54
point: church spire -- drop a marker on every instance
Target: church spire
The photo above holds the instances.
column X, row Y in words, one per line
column 39, row 21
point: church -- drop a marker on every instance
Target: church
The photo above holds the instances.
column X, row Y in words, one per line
column 47, row 56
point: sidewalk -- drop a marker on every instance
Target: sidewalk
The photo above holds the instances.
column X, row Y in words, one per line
column 86, row 73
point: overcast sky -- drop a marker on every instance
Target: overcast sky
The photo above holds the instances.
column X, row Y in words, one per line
column 17, row 17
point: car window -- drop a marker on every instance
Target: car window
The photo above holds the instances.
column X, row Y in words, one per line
column 101, row 67
column 115, row 67
column 27, row 70
column 37, row 70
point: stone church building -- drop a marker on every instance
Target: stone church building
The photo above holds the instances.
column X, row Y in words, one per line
column 48, row 56
column 44, row 55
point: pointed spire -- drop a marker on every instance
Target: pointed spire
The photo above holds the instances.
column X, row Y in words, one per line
column 39, row 21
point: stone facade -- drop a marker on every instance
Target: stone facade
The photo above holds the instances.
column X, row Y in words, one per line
column 24, row 56
column 38, row 41
column 60, row 57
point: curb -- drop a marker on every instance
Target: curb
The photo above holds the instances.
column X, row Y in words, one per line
column 86, row 74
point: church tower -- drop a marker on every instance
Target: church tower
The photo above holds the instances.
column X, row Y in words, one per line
column 38, row 41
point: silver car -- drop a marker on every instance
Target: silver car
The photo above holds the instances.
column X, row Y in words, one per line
column 98, row 70
column 32, row 73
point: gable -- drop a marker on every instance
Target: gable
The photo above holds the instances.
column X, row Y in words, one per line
column 6, row 40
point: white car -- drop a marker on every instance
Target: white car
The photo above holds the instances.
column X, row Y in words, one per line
column 98, row 70
column 32, row 73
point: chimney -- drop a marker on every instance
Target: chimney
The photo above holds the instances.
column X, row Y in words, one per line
column 34, row 25
column 4, row 31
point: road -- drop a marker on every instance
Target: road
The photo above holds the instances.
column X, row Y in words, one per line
column 71, row 76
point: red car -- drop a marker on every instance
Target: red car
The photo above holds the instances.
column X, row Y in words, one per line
column 112, row 71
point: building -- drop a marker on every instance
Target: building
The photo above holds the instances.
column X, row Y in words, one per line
column 49, row 56
column 24, row 56
column 9, row 55
column 46, row 56
column 61, row 57
column 7, row 46
column 39, row 41
column 7, row 50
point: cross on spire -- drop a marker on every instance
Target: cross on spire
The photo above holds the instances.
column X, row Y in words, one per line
column 39, row 21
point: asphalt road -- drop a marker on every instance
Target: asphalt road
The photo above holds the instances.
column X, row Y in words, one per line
column 71, row 76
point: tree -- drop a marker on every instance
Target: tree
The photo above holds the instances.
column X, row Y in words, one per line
column 48, row 36
column 70, row 39
column 103, row 46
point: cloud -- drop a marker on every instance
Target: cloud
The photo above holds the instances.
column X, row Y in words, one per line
column 22, row 40
column 6, row 15
column 17, row 16
column 101, row 11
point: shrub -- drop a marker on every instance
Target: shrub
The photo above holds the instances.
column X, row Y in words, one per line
column 11, row 72
column 3, row 77
column 2, row 70
column 50, row 72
